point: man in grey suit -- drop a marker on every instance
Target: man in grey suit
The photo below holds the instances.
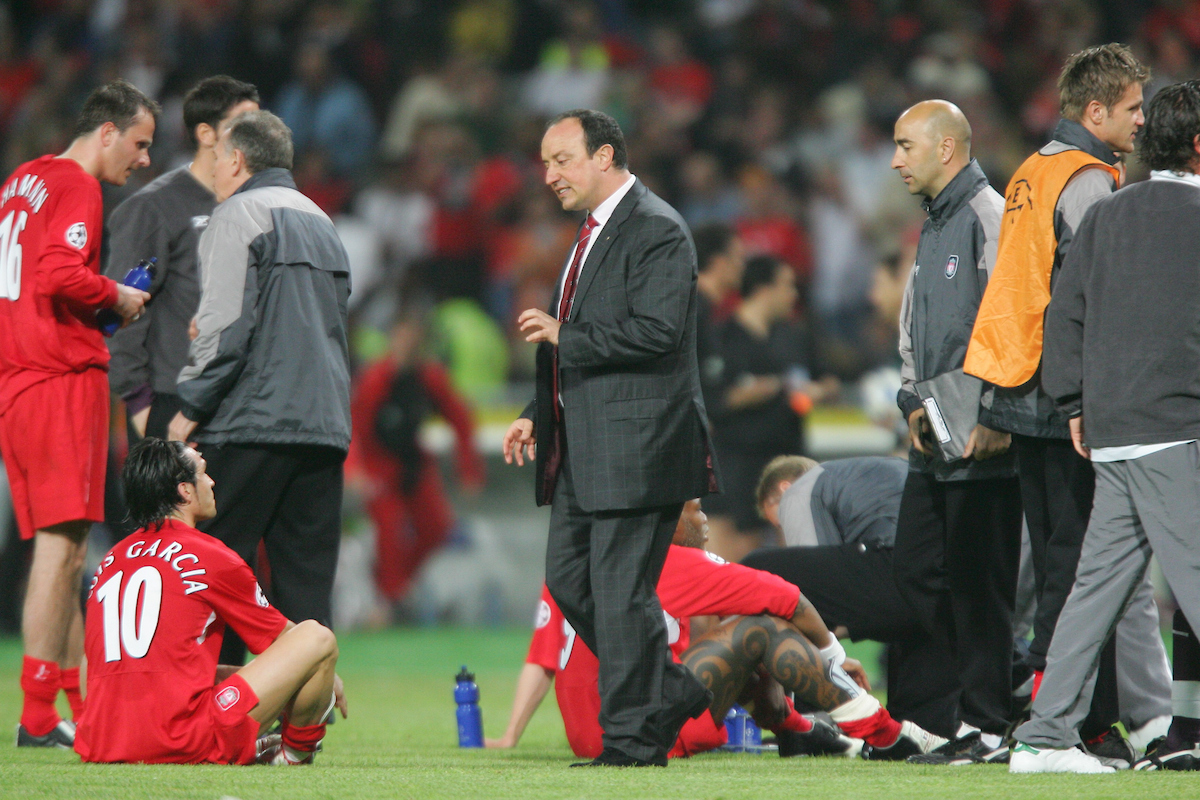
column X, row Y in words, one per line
column 621, row 429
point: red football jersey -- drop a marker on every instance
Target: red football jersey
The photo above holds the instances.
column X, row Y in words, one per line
column 156, row 615
column 693, row 583
column 50, row 281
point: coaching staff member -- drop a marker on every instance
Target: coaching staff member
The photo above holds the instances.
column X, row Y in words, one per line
column 268, row 375
column 53, row 381
column 164, row 220
column 1100, row 93
column 958, row 536
column 621, row 428
column 1121, row 357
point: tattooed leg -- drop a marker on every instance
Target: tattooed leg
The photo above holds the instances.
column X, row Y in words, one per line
column 726, row 658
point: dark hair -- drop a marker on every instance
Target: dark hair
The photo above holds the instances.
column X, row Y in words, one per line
column 151, row 477
column 780, row 468
column 118, row 102
column 599, row 129
column 1101, row 73
column 210, row 100
column 1172, row 124
column 264, row 140
column 712, row 239
column 760, row 271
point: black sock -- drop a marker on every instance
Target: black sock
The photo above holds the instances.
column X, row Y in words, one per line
column 1185, row 672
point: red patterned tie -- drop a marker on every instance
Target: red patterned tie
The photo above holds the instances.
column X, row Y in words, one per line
column 568, row 293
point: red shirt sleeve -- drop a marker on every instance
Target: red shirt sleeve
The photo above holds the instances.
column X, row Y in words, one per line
column 546, row 645
column 69, row 266
column 695, row 582
column 237, row 598
column 458, row 415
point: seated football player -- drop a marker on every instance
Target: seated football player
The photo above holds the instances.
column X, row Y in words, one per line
column 773, row 642
column 156, row 614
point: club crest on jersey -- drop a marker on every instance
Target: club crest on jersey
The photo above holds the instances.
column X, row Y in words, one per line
column 543, row 615
column 77, row 235
column 260, row 597
column 227, row 698
column 951, row 266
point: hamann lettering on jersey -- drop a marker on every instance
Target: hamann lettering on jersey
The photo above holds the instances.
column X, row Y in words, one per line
column 29, row 186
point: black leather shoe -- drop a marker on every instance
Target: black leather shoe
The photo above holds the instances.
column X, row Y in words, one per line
column 615, row 758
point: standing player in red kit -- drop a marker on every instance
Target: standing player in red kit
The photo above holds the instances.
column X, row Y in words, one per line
column 54, row 382
column 156, row 615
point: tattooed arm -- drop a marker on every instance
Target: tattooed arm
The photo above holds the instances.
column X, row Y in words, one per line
column 809, row 622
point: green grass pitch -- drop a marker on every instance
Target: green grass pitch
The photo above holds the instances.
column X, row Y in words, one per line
column 400, row 742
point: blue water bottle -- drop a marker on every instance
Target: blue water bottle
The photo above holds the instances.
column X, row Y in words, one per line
column 470, row 718
column 744, row 734
column 140, row 277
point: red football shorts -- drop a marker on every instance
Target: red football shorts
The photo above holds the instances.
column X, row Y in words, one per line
column 699, row 736
column 54, row 441
column 234, row 730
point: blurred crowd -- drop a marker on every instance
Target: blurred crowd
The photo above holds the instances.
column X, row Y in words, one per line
column 417, row 127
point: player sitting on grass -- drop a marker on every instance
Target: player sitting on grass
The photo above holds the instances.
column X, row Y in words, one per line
column 156, row 615
column 751, row 658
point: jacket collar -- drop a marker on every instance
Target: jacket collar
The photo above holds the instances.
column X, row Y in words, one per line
column 275, row 176
column 956, row 194
column 609, row 232
column 1072, row 133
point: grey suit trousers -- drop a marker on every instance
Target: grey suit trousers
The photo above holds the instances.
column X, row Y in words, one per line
column 603, row 569
column 1143, row 507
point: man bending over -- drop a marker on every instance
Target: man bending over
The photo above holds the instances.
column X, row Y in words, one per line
column 156, row 615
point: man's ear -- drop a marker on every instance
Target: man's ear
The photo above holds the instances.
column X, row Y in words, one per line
column 239, row 162
column 783, row 486
column 109, row 133
column 187, row 493
column 206, row 135
column 605, row 155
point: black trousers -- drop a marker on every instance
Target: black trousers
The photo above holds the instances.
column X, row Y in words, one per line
column 957, row 550
column 289, row 497
column 602, row 569
column 854, row 586
column 1057, row 485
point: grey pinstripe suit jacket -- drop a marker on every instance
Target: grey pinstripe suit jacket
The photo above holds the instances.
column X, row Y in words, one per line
column 635, row 424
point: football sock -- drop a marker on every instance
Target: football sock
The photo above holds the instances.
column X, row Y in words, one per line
column 301, row 741
column 1185, row 686
column 40, row 681
column 863, row 718
column 70, row 686
column 795, row 721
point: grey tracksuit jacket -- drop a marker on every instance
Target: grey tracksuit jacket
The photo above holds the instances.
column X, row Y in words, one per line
column 955, row 255
column 271, row 363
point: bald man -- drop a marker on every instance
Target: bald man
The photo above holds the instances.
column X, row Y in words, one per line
column 959, row 528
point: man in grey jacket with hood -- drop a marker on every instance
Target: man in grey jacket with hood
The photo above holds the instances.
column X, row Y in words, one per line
column 958, row 535
column 266, row 389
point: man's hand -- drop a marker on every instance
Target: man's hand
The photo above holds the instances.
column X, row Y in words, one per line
column 505, row 742
column 193, row 330
column 339, row 695
column 180, row 428
column 519, row 442
column 130, row 302
column 139, row 420
column 540, row 326
column 918, row 430
column 986, row 443
column 1076, row 424
column 854, row 669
